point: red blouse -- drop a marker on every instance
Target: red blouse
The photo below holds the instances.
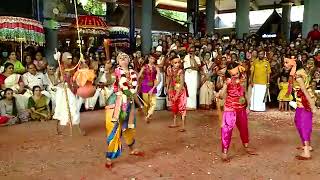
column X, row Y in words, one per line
column 235, row 95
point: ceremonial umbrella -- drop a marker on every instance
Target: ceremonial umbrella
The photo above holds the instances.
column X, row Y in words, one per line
column 92, row 25
column 21, row 30
column 119, row 36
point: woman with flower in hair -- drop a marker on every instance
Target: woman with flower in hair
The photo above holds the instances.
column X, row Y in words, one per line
column 120, row 112
column 149, row 84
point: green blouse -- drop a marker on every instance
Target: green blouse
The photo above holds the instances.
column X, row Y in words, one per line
column 18, row 67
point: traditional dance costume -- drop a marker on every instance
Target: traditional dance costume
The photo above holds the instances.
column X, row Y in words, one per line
column 303, row 116
column 234, row 113
column 120, row 113
column 178, row 106
column 149, row 79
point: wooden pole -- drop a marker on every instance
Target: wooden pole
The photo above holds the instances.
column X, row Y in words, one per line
column 21, row 51
column 132, row 26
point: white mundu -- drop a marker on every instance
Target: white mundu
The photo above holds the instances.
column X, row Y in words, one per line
column 61, row 110
column 192, row 80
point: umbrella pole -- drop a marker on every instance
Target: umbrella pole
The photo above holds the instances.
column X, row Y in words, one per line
column 21, row 51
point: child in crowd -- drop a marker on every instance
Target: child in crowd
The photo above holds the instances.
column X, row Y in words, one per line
column 284, row 98
column 316, row 86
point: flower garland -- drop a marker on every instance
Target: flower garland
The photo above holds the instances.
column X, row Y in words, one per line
column 128, row 82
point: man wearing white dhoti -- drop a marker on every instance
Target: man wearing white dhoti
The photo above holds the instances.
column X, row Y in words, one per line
column 160, row 65
column 260, row 75
column 191, row 66
column 61, row 111
column 67, row 109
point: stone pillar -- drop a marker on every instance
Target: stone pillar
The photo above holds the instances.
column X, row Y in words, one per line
column 210, row 13
column 311, row 15
column 110, row 8
column 286, row 20
column 146, row 25
column 51, row 45
column 132, row 26
column 242, row 18
column 190, row 11
column 51, row 32
column 189, row 7
column 196, row 17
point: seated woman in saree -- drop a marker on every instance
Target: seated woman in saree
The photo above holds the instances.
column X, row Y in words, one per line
column 38, row 105
column 18, row 67
column 8, row 109
column 9, row 79
column 52, row 80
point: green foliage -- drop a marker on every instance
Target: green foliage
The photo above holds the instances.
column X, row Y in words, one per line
column 95, row 7
column 180, row 17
